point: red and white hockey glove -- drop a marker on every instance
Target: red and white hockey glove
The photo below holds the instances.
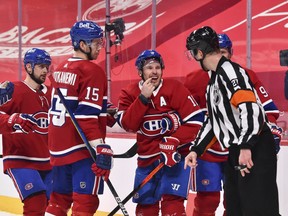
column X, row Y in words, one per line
column 103, row 164
column 277, row 134
column 168, row 147
column 23, row 122
column 6, row 91
column 170, row 123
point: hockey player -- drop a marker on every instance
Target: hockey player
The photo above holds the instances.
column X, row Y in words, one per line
column 84, row 86
column 153, row 108
column 208, row 177
column 237, row 120
column 24, row 126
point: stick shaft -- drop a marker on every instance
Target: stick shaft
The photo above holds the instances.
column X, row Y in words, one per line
column 147, row 179
column 130, row 153
column 92, row 153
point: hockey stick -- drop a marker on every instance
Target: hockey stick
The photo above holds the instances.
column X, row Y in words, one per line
column 147, row 179
column 91, row 151
column 129, row 154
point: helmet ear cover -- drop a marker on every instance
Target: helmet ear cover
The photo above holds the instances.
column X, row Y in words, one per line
column 205, row 47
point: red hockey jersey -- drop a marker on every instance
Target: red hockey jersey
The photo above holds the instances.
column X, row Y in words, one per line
column 26, row 150
column 170, row 96
column 197, row 82
column 84, row 86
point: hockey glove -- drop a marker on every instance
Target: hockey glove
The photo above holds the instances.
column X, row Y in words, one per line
column 111, row 109
column 277, row 134
column 111, row 114
column 103, row 164
column 6, row 91
column 168, row 147
column 170, row 123
column 23, row 122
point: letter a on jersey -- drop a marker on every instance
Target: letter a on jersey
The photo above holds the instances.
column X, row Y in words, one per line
column 162, row 101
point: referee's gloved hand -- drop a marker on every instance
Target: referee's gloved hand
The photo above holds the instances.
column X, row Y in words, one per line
column 21, row 121
column 103, row 164
column 168, row 147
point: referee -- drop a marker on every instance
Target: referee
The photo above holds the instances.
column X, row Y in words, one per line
column 237, row 120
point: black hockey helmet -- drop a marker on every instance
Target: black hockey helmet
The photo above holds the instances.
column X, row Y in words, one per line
column 204, row 39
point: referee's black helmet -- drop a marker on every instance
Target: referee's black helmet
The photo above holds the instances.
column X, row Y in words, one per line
column 204, row 39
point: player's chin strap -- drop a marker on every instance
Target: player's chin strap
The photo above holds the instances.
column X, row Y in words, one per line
column 202, row 65
column 202, row 59
column 201, row 62
column 92, row 153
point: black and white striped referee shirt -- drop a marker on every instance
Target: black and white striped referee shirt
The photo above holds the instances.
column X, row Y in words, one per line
column 235, row 113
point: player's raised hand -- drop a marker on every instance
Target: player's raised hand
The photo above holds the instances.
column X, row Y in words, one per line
column 6, row 91
column 21, row 121
column 147, row 88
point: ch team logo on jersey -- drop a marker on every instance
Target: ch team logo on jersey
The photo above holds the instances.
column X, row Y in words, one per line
column 42, row 122
column 151, row 125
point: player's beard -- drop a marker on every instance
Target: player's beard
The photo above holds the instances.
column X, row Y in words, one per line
column 37, row 80
column 88, row 54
